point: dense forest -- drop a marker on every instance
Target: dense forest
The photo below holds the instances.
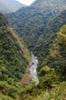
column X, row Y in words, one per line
column 39, row 29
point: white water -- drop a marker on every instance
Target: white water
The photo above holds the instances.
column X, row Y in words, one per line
column 33, row 69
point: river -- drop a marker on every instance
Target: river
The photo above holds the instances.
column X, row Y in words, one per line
column 33, row 69
column 31, row 72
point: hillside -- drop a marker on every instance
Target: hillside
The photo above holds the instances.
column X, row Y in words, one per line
column 57, row 53
column 50, row 5
column 14, row 58
column 49, row 44
column 13, row 50
column 38, row 28
column 52, row 75
column 33, row 20
column 9, row 6
column 46, row 39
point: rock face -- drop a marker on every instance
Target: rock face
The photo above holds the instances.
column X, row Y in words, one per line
column 31, row 72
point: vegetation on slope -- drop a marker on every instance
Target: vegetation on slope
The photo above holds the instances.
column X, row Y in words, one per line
column 14, row 58
column 11, row 53
column 38, row 26
column 58, row 52
column 45, row 41
column 36, row 17
column 52, row 73
column 52, row 76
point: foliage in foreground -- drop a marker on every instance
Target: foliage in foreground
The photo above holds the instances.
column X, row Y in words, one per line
column 50, row 87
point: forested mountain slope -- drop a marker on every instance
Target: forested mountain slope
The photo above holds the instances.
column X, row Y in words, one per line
column 50, row 48
column 45, row 40
column 37, row 28
column 52, row 75
column 13, row 50
column 57, row 57
column 32, row 22
column 50, row 5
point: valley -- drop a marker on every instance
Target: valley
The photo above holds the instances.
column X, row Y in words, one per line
column 31, row 72
column 33, row 50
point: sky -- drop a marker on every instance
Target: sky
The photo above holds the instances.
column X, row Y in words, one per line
column 26, row 2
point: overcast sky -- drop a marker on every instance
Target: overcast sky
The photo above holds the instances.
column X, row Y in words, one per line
column 26, row 2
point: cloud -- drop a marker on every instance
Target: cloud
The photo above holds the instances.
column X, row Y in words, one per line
column 26, row 2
